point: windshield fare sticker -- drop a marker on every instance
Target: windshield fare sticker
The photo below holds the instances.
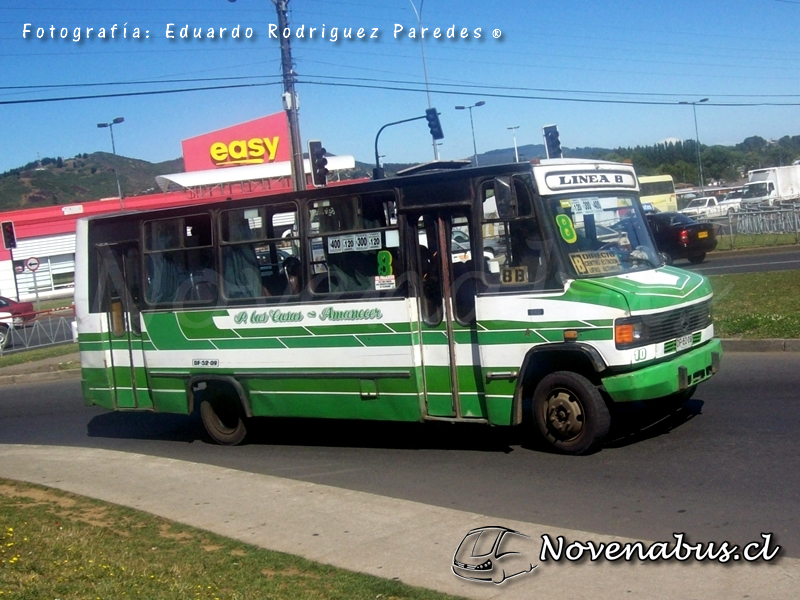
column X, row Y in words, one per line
column 355, row 242
column 595, row 263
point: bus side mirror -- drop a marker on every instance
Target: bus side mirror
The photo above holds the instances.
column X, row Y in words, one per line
column 504, row 198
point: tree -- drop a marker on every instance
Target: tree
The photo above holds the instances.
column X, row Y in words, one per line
column 718, row 163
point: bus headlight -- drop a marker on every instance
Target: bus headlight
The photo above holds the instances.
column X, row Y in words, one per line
column 630, row 332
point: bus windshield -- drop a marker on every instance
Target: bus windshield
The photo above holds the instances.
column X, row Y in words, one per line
column 602, row 235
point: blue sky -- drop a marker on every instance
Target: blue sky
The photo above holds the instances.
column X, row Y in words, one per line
column 609, row 73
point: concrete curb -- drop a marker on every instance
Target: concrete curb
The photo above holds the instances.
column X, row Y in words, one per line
column 39, row 377
column 771, row 345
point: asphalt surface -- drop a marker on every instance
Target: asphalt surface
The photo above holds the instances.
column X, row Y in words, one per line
column 386, row 537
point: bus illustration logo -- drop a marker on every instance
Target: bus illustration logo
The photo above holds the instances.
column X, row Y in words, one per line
column 493, row 554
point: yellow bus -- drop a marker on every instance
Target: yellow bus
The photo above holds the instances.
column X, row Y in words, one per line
column 659, row 192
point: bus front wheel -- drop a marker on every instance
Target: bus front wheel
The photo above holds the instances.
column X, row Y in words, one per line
column 223, row 419
column 570, row 412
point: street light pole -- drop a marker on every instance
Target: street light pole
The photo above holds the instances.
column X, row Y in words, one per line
column 110, row 126
column 514, row 133
column 697, row 141
column 472, row 125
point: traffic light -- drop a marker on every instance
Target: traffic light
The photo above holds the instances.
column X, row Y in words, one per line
column 318, row 162
column 433, row 123
column 9, row 237
column 551, row 142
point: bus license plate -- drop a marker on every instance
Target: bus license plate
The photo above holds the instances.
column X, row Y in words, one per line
column 702, row 234
column 683, row 342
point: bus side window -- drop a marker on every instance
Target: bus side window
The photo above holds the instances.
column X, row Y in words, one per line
column 523, row 255
column 256, row 242
column 241, row 275
column 163, row 272
column 180, row 261
column 354, row 244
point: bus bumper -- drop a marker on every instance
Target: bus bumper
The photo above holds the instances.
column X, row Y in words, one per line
column 666, row 378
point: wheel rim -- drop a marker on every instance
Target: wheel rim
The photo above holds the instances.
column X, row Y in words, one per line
column 563, row 415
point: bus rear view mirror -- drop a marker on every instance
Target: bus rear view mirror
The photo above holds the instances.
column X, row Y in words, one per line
column 504, row 198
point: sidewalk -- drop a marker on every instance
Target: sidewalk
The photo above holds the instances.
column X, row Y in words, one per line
column 385, row 537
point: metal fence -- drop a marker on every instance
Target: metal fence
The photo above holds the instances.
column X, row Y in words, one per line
column 763, row 226
column 48, row 328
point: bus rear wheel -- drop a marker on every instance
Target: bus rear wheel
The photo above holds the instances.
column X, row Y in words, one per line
column 570, row 413
column 223, row 419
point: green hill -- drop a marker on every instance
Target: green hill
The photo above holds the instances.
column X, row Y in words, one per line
column 80, row 179
column 53, row 181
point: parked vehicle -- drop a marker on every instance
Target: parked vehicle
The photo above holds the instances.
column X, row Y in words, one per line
column 13, row 314
column 772, row 186
column 658, row 191
column 706, row 207
column 679, row 236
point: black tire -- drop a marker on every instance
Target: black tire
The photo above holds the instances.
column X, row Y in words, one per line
column 223, row 419
column 666, row 257
column 4, row 335
column 697, row 258
column 570, row 413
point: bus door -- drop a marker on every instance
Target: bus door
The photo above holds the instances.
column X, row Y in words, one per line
column 448, row 337
column 120, row 266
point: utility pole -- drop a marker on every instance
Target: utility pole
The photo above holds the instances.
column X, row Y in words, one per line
column 418, row 13
column 290, row 98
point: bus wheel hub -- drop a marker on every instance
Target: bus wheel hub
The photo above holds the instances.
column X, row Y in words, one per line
column 564, row 414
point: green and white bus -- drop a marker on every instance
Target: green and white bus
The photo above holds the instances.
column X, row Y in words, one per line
column 350, row 302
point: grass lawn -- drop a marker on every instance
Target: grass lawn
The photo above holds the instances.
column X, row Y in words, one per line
column 59, row 545
column 757, row 305
column 34, row 354
column 761, row 240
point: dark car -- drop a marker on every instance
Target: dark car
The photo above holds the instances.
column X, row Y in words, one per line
column 679, row 236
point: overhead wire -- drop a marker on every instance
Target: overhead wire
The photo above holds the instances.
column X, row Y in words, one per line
column 400, row 86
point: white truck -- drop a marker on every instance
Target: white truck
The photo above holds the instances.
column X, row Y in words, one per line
column 710, row 207
column 772, row 186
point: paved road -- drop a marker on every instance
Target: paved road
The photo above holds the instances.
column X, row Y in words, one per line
column 725, row 467
column 726, row 263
